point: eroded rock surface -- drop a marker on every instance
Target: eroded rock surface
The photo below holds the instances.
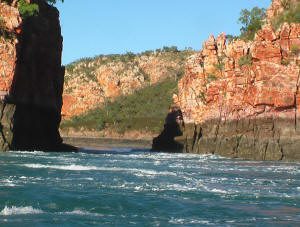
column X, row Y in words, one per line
column 242, row 99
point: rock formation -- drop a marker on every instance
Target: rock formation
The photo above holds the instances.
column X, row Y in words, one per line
column 241, row 99
column 173, row 128
column 31, row 82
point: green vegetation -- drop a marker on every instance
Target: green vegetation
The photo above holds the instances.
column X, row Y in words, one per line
column 86, row 67
column 286, row 4
column 202, row 97
column 144, row 110
column 245, row 60
column 220, row 65
column 2, row 27
column 28, row 9
column 295, row 49
column 211, row 78
column 290, row 15
column 3, row 32
column 168, row 49
column 252, row 21
column 230, row 38
column 285, row 62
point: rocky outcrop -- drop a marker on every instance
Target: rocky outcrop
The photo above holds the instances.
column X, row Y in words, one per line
column 279, row 6
column 173, row 128
column 92, row 83
column 32, row 78
column 242, row 99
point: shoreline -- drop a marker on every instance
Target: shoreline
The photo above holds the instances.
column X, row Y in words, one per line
column 107, row 143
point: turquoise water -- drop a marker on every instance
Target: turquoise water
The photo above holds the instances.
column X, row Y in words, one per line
column 125, row 187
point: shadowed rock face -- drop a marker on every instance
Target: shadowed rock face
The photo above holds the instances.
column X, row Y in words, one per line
column 31, row 110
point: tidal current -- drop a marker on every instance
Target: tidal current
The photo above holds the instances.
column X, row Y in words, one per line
column 134, row 187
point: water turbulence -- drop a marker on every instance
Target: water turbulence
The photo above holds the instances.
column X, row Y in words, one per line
column 120, row 187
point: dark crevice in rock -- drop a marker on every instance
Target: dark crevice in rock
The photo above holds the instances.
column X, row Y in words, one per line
column 236, row 149
column 5, row 143
column 296, row 104
column 265, row 151
column 282, row 154
column 195, row 136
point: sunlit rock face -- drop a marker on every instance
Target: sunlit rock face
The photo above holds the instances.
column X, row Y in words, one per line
column 31, row 82
column 92, row 83
column 243, row 97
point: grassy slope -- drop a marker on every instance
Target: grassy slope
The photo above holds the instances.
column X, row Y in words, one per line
column 144, row 110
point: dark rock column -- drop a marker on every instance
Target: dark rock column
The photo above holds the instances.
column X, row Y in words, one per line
column 31, row 112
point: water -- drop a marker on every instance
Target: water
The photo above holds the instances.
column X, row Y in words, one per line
column 123, row 187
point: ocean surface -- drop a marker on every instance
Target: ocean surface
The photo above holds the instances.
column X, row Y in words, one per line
column 134, row 187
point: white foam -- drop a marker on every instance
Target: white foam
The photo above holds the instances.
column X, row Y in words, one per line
column 181, row 221
column 61, row 167
column 7, row 211
column 139, row 172
column 8, row 183
column 81, row 213
column 219, row 191
column 28, row 152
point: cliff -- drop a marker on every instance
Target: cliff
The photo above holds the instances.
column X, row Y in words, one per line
column 32, row 78
column 92, row 83
column 241, row 98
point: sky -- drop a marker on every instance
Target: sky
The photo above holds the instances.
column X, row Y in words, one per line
column 94, row 27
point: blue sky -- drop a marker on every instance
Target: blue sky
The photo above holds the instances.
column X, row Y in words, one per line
column 93, row 27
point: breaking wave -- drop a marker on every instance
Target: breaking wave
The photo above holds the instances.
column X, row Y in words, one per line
column 7, row 211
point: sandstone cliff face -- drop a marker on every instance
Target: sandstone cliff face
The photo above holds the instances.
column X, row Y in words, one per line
column 243, row 97
column 241, row 80
column 31, row 81
column 92, row 83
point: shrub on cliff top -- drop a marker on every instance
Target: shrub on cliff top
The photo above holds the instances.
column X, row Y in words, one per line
column 28, row 9
column 252, row 21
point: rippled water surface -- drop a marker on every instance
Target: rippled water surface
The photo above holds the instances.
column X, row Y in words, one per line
column 126, row 187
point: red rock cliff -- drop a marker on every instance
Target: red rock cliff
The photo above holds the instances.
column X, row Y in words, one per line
column 243, row 97
column 243, row 79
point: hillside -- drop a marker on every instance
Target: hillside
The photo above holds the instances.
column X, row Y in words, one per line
column 92, row 82
column 116, row 94
column 140, row 114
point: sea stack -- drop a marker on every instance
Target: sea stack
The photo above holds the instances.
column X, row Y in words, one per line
column 32, row 78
